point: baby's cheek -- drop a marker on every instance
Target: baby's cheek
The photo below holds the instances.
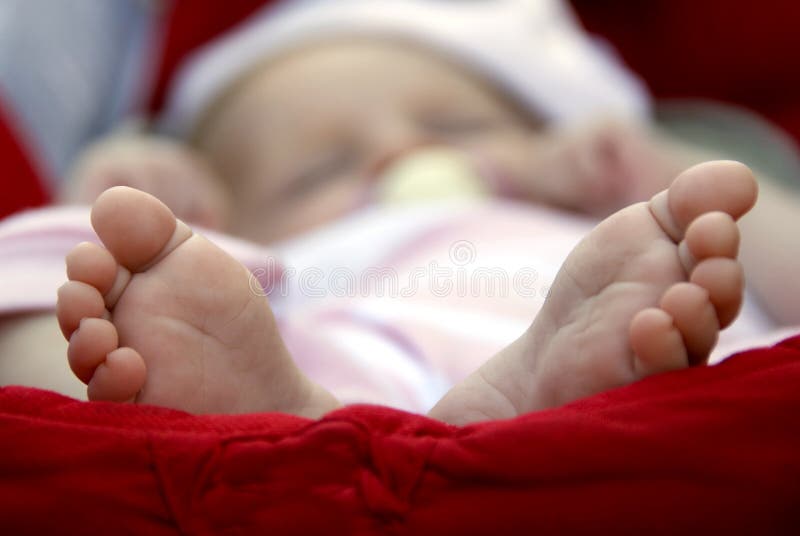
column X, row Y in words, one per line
column 312, row 209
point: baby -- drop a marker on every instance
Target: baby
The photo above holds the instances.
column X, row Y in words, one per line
column 272, row 101
column 162, row 316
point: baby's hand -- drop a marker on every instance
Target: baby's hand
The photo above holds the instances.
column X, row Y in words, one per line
column 161, row 167
column 596, row 169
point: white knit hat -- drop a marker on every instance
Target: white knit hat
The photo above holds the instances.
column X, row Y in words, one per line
column 534, row 49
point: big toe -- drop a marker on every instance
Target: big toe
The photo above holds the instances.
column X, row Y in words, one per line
column 720, row 186
column 136, row 227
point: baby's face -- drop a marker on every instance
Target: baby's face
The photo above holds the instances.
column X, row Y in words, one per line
column 303, row 138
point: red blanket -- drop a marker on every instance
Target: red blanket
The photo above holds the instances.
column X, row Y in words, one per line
column 706, row 449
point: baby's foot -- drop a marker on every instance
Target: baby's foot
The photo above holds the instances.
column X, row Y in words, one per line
column 646, row 291
column 162, row 316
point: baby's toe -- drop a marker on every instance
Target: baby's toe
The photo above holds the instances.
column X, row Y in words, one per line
column 714, row 234
column 95, row 266
column 91, row 264
column 119, row 377
column 694, row 317
column 723, row 279
column 135, row 227
column 656, row 343
column 88, row 346
column 76, row 301
column 722, row 186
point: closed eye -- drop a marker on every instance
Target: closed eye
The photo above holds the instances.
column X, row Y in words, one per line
column 320, row 168
column 459, row 125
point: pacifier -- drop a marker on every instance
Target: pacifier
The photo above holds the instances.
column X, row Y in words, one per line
column 432, row 174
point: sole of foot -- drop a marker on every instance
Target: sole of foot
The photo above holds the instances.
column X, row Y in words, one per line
column 160, row 315
column 647, row 291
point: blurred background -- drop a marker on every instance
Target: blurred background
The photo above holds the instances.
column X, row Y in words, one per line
column 725, row 71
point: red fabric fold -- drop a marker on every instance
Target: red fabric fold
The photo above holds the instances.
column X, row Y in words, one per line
column 706, row 449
